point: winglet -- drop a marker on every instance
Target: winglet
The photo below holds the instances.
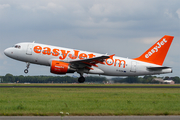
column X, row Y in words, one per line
column 157, row 53
column 111, row 56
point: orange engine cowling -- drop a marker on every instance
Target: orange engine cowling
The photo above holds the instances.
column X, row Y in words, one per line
column 58, row 67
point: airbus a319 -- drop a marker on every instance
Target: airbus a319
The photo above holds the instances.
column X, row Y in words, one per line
column 64, row 60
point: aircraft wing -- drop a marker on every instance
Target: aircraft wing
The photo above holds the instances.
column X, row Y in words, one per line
column 87, row 63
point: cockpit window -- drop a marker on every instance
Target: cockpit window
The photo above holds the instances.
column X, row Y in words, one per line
column 17, row 46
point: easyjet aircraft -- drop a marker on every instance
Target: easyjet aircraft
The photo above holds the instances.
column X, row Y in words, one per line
column 64, row 60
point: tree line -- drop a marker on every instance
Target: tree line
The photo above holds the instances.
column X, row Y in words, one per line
column 145, row 79
column 9, row 78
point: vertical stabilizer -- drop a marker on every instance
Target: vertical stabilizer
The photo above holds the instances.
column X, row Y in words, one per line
column 157, row 53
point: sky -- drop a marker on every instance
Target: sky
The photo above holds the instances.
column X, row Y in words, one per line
column 126, row 28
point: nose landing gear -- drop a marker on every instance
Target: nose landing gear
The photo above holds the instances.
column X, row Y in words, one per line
column 27, row 66
column 26, row 71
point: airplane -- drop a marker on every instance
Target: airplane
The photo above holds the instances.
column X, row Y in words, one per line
column 64, row 60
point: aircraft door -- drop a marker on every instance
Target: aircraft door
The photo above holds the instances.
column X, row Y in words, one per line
column 29, row 49
column 133, row 66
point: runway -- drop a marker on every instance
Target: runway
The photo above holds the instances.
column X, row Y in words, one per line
column 59, row 86
column 90, row 118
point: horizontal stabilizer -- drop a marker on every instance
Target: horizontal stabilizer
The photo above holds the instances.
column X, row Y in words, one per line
column 157, row 68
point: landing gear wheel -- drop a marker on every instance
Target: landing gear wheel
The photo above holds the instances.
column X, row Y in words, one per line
column 27, row 66
column 26, row 71
column 81, row 80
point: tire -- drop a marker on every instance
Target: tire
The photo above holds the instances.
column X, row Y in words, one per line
column 81, row 80
column 26, row 71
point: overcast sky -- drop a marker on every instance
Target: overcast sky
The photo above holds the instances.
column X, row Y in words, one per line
column 126, row 28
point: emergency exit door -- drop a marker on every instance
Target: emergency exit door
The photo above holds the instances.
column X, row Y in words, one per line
column 133, row 66
column 29, row 49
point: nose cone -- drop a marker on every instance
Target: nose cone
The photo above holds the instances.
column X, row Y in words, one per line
column 8, row 52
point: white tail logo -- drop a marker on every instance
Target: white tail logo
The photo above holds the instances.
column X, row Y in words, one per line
column 156, row 48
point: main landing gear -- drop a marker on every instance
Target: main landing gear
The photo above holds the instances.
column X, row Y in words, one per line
column 81, row 79
column 27, row 66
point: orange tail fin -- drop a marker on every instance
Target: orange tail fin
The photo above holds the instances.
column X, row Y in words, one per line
column 157, row 53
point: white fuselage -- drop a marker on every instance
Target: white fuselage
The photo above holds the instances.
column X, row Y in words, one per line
column 117, row 66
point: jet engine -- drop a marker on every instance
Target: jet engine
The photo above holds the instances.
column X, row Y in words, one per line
column 58, row 67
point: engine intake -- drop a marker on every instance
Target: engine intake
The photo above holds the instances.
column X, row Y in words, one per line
column 58, row 67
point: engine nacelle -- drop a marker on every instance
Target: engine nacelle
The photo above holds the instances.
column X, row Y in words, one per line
column 58, row 67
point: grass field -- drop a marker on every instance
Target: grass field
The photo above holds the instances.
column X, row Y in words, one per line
column 89, row 101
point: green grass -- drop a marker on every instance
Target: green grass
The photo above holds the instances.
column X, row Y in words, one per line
column 89, row 101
